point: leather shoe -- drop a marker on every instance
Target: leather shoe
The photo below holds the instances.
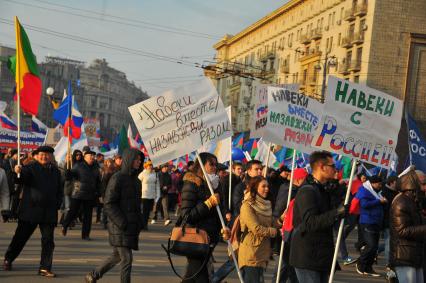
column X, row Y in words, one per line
column 7, row 265
column 46, row 273
column 90, row 278
column 64, row 231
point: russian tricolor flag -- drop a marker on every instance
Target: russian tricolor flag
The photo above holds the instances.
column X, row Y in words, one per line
column 69, row 116
column 38, row 126
column 7, row 123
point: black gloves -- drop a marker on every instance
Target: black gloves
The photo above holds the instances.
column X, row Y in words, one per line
column 343, row 210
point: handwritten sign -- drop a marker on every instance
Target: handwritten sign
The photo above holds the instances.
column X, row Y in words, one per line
column 259, row 117
column 181, row 120
column 292, row 119
column 359, row 122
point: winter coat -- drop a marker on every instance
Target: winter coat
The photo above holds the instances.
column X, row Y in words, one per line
column 371, row 209
column 312, row 243
column 177, row 184
column 194, row 193
column 224, row 184
column 257, row 230
column 105, row 177
column 42, row 193
column 86, row 181
column 282, row 197
column 407, row 234
column 238, row 195
column 122, row 204
column 150, row 185
column 165, row 182
column 390, row 195
column 4, row 191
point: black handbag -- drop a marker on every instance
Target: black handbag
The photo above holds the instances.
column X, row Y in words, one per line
column 191, row 242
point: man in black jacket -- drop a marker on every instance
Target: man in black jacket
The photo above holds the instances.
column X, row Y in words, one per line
column 122, row 207
column 389, row 192
column 87, row 187
column 42, row 197
column 165, row 180
column 312, row 246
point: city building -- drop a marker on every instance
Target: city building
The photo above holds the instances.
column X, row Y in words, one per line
column 377, row 43
column 108, row 94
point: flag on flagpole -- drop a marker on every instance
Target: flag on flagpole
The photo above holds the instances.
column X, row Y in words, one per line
column 7, row 123
column 417, row 144
column 132, row 141
column 123, row 141
column 38, row 126
column 238, row 141
column 27, row 76
column 68, row 115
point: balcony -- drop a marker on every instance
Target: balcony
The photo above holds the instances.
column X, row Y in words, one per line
column 358, row 38
column 355, row 66
column 304, row 39
column 311, row 53
column 285, row 68
column 347, row 41
column 361, row 10
column 349, row 15
column 316, row 34
column 270, row 55
column 343, row 68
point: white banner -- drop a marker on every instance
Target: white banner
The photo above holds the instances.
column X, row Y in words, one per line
column 222, row 148
column 259, row 117
column 292, row 119
column 359, row 122
column 181, row 120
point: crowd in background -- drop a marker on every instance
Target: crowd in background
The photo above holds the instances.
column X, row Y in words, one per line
column 128, row 194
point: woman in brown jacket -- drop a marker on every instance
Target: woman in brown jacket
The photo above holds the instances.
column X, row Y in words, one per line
column 257, row 229
column 407, row 232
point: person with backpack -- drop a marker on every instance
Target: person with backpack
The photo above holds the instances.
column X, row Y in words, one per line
column 312, row 246
column 122, row 204
column 287, row 272
column 257, row 229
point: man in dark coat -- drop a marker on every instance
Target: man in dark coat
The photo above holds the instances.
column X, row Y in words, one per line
column 42, row 197
column 312, row 246
column 86, row 189
column 122, row 205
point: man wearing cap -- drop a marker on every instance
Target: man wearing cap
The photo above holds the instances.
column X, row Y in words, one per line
column 299, row 176
column 87, row 187
column 42, row 197
column 370, row 220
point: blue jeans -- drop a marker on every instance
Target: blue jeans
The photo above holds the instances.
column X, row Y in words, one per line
column 350, row 223
column 311, row 276
column 408, row 274
column 371, row 236
column 223, row 271
column 252, row 274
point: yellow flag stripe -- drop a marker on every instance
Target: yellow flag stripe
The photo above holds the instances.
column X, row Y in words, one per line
column 21, row 63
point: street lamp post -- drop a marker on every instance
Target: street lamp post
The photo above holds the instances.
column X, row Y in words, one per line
column 329, row 61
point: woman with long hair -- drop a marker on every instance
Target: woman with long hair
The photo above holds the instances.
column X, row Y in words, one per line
column 407, row 233
column 257, row 230
column 198, row 208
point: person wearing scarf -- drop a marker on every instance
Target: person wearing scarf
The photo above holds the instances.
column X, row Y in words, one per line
column 257, row 230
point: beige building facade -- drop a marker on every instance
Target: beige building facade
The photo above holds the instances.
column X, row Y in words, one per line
column 380, row 43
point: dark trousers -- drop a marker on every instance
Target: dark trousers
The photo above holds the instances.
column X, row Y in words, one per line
column 252, row 274
column 122, row 255
column 371, row 236
column 311, row 276
column 147, row 205
column 194, row 264
column 23, row 232
column 87, row 210
column 287, row 272
column 223, row 271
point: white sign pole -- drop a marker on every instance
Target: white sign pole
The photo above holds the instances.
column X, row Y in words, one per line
column 265, row 173
column 288, row 203
column 221, row 218
column 339, row 234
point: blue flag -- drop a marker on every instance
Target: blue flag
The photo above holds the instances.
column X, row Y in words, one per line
column 416, row 143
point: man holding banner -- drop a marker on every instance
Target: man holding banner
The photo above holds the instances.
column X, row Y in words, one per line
column 312, row 246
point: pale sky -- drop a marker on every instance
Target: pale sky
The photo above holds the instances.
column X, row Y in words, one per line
column 134, row 24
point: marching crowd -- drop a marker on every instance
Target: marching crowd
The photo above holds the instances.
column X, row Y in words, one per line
column 128, row 195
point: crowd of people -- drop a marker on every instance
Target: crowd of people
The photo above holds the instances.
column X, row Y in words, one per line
column 128, row 195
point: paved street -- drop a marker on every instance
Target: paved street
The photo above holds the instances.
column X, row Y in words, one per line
column 73, row 258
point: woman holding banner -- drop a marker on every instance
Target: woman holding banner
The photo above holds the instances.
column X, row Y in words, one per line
column 198, row 207
column 257, row 230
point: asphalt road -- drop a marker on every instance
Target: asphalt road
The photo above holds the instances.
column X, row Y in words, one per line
column 73, row 258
